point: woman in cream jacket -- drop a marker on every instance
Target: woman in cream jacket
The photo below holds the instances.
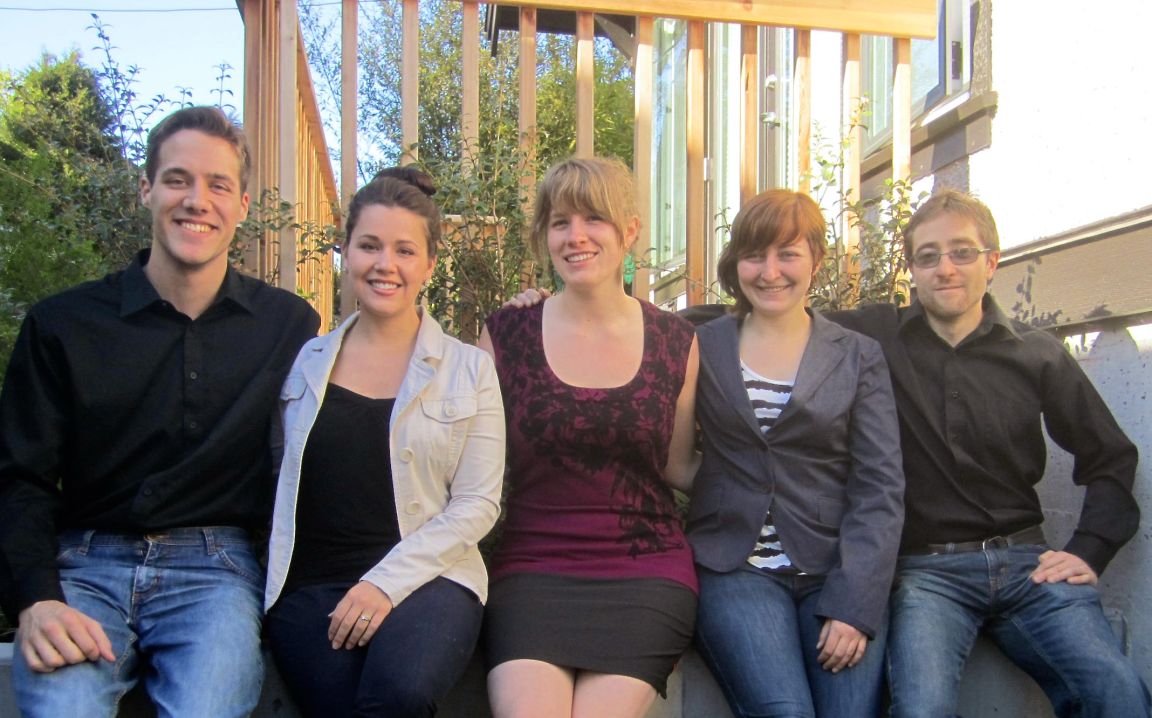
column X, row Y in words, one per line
column 391, row 475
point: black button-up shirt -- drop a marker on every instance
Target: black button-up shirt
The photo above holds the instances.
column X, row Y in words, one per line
column 972, row 422
column 120, row 413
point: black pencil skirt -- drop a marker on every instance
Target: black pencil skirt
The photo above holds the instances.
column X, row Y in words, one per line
column 629, row 627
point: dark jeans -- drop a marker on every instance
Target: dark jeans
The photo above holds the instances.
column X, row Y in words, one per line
column 417, row 655
column 1054, row 631
column 758, row 633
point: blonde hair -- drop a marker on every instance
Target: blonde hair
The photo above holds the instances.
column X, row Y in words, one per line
column 590, row 186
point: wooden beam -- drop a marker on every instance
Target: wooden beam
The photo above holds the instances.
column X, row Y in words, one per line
column 802, row 99
column 694, row 201
column 902, row 109
column 255, row 25
column 902, row 18
column 527, row 117
column 286, row 140
column 850, row 182
column 750, row 127
column 470, row 91
column 642, row 153
column 410, row 82
column 349, row 45
column 585, row 84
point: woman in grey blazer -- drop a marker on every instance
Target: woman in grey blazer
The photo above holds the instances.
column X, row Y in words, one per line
column 797, row 508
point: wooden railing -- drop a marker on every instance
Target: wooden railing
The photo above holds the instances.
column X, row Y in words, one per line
column 290, row 155
column 283, row 123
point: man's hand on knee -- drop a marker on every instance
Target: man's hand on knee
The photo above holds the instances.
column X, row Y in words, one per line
column 1056, row 566
column 52, row 634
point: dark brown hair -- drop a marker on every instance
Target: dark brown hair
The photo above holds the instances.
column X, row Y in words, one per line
column 211, row 121
column 776, row 216
column 403, row 187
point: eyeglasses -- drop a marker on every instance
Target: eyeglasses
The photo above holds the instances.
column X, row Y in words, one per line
column 930, row 258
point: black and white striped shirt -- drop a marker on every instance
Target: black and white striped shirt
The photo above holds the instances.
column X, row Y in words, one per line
column 768, row 397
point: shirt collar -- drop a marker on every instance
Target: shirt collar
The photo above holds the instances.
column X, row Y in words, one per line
column 137, row 292
column 994, row 320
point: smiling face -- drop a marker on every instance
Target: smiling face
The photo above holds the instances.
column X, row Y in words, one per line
column 587, row 249
column 775, row 279
column 950, row 293
column 388, row 260
column 196, row 202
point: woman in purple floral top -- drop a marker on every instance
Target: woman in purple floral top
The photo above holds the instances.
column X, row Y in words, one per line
column 594, row 593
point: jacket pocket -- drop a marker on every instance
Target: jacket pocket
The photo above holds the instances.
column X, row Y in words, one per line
column 293, row 387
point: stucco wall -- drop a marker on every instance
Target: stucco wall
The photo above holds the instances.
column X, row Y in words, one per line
column 1070, row 141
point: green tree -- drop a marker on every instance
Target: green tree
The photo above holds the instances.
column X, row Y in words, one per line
column 68, row 204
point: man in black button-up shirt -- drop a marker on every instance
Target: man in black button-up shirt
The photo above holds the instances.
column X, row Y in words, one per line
column 134, row 454
column 974, row 390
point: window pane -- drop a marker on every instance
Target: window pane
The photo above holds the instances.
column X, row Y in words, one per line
column 670, row 162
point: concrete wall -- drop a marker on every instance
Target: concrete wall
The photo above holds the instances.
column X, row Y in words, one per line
column 1118, row 362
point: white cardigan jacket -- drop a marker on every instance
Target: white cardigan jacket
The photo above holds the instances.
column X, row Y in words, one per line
column 447, row 458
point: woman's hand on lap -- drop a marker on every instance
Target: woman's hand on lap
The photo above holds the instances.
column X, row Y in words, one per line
column 358, row 615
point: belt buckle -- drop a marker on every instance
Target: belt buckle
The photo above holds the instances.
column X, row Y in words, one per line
column 996, row 542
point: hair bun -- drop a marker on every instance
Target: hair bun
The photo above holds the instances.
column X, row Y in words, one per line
column 409, row 174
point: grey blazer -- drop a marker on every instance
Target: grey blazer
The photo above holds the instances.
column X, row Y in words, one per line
column 830, row 468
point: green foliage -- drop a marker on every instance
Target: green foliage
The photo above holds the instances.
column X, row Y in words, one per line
column 268, row 216
column 69, row 209
column 874, row 269
column 484, row 257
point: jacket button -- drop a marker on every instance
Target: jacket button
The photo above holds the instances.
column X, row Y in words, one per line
column 450, row 411
column 406, row 455
column 412, row 508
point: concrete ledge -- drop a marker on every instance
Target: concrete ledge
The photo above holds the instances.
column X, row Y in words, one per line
column 992, row 687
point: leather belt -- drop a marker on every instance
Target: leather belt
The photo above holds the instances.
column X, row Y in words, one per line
column 1033, row 535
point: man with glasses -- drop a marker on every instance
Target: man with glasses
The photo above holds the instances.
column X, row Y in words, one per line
column 973, row 389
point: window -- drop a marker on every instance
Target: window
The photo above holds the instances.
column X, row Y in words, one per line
column 941, row 69
column 669, row 112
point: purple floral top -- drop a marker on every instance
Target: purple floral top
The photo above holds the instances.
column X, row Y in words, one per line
column 586, row 495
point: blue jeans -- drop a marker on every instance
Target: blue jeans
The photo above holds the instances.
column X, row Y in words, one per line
column 182, row 610
column 417, row 655
column 758, row 634
column 1056, row 632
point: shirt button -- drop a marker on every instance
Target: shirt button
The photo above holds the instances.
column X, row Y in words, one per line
column 406, row 455
column 412, row 508
column 450, row 411
column 193, row 375
column 955, row 395
column 147, row 492
column 193, row 425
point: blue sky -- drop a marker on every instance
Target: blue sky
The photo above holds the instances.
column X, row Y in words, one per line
column 176, row 43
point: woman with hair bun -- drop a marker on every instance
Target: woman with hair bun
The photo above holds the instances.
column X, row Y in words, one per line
column 391, row 475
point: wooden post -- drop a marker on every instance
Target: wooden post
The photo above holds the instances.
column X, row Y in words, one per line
column 642, row 153
column 750, row 127
column 289, row 26
column 349, row 46
column 850, row 118
column 694, row 201
column 802, row 93
column 585, row 84
column 470, row 92
column 902, row 109
column 410, row 83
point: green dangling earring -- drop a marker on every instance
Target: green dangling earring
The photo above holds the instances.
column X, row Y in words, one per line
column 629, row 269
